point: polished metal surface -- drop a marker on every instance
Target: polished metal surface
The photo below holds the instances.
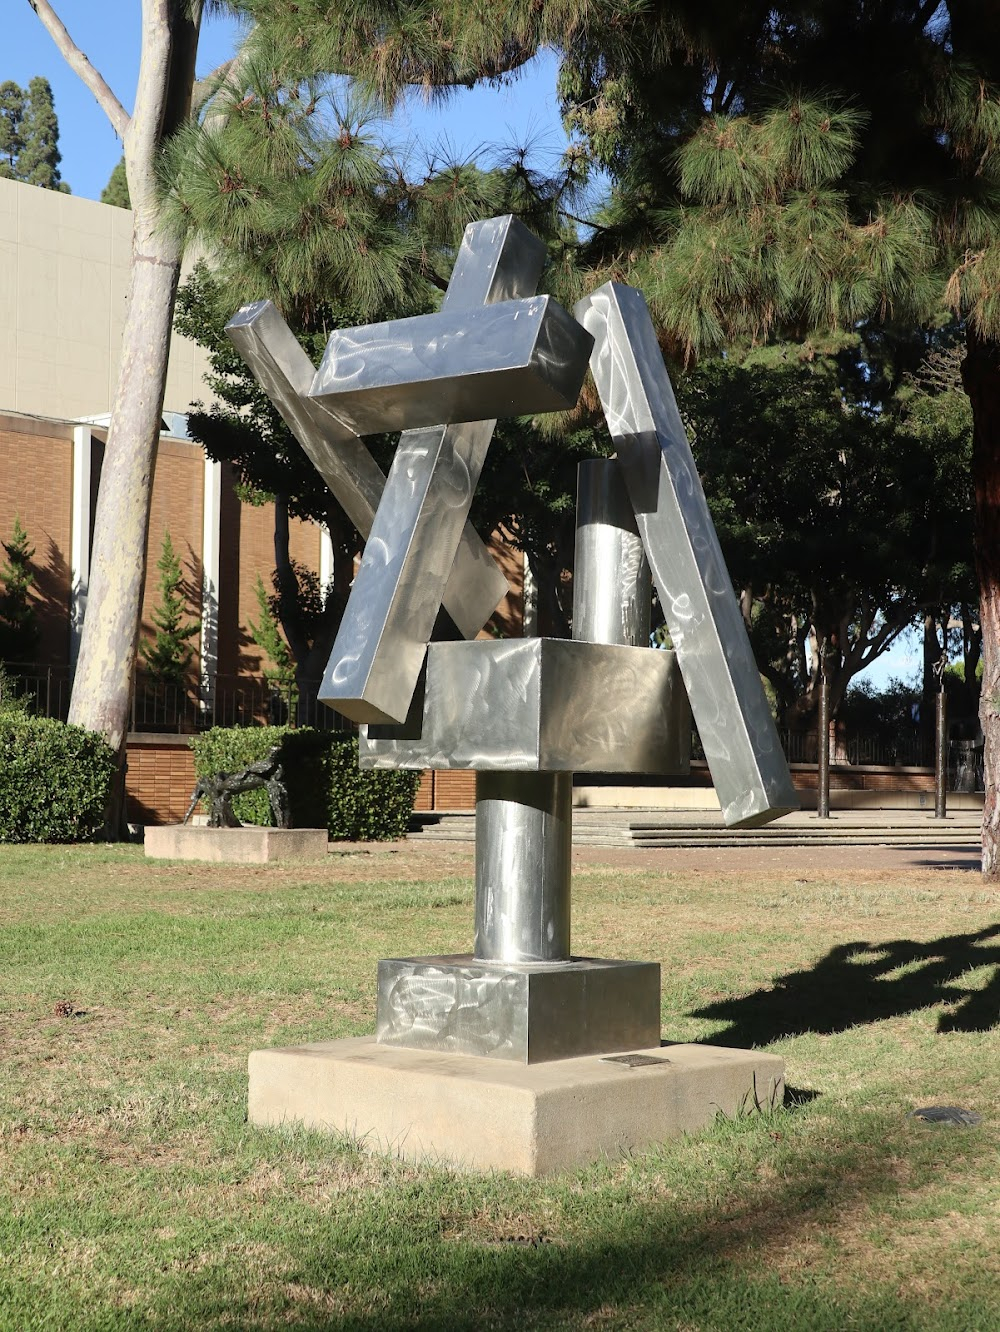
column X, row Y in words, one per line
column 285, row 373
column 499, row 260
column 515, row 358
column 528, row 1013
column 379, row 651
column 702, row 615
column 524, row 840
column 541, row 704
column 525, row 714
column 612, row 585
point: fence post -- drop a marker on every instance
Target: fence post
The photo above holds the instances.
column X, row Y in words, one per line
column 940, row 743
column 823, row 739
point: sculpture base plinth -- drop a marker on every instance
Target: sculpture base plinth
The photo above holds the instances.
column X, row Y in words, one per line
column 529, row 1012
column 248, row 845
column 494, row 1114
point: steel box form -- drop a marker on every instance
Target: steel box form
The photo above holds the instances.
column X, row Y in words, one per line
column 285, row 373
column 706, row 627
column 529, row 1012
column 541, row 705
column 514, row 358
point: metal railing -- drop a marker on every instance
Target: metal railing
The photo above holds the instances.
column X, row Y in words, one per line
column 247, row 700
column 231, row 700
column 861, row 748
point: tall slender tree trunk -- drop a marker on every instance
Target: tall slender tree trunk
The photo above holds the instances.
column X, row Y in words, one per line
column 101, row 689
column 118, row 561
column 981, row 376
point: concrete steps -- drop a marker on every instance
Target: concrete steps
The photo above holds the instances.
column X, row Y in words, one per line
column 687, row 829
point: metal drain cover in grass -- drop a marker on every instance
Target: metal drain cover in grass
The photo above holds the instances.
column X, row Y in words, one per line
column 947, row 1114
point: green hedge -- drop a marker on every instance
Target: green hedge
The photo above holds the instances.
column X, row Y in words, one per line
column 54, row 780
column 326, row 788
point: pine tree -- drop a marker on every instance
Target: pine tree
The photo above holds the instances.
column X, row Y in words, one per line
column 19, row 632
column 11, row 128
column 168, row 657
column 267, row 635
column 780, row 171
column 38, row 160
column 115, row 192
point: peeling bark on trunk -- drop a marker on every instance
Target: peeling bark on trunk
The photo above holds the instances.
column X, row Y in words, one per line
column 106, row 664
column 118, row 561
column 981, row 376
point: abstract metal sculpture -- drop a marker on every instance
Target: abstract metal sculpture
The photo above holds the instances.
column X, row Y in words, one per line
column 524, row 714
column 218, row 790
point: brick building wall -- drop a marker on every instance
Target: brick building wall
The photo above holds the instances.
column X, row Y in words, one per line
column 178, row 499
column 246, row 553
column 159, row 779
column 36, row 460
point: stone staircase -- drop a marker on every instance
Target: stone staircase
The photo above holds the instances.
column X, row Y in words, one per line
column 637, row 828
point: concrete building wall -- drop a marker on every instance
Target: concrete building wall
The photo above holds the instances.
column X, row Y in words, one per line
column 63, row 282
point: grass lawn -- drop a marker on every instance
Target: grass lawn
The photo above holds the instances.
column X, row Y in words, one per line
column 133, row 1194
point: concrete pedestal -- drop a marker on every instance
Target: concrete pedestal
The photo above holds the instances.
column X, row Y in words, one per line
column 489, row 1114
column 235, row 846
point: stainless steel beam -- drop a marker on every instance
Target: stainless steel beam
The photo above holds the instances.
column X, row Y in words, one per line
column 511, row 359
column 727, row 698
column 379, row 651
column 285, row 373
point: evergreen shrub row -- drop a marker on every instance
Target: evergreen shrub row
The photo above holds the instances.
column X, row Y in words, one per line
column 54, row 780
column 326, row 788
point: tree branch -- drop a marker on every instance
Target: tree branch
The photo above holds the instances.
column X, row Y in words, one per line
column 81, row 66
column 225, row 76
column 210, row 84
column 925, row 13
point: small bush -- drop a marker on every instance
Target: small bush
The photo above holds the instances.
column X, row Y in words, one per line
column 326, row 788
column 54, row 780
column 366, row 806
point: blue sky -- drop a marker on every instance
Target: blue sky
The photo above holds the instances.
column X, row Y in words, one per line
column 471, row 122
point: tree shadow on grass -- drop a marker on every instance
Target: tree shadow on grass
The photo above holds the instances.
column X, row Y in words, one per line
column 867, row 982
column 652, row 1261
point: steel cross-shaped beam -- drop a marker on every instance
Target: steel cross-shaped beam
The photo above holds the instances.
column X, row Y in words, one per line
column 285, row 373
column 379, row 652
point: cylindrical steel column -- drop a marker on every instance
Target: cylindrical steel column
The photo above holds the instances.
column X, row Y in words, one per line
column 612, row 586
column 524, row 840
column 941, row 756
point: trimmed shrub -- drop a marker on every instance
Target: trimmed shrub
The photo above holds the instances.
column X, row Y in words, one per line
column 54, row 780
column 326, row 788
column 366, row 806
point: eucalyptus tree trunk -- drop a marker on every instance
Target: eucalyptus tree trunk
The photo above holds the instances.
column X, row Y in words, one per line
column 981, row 376
column 102, row 686
column 163, row 101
